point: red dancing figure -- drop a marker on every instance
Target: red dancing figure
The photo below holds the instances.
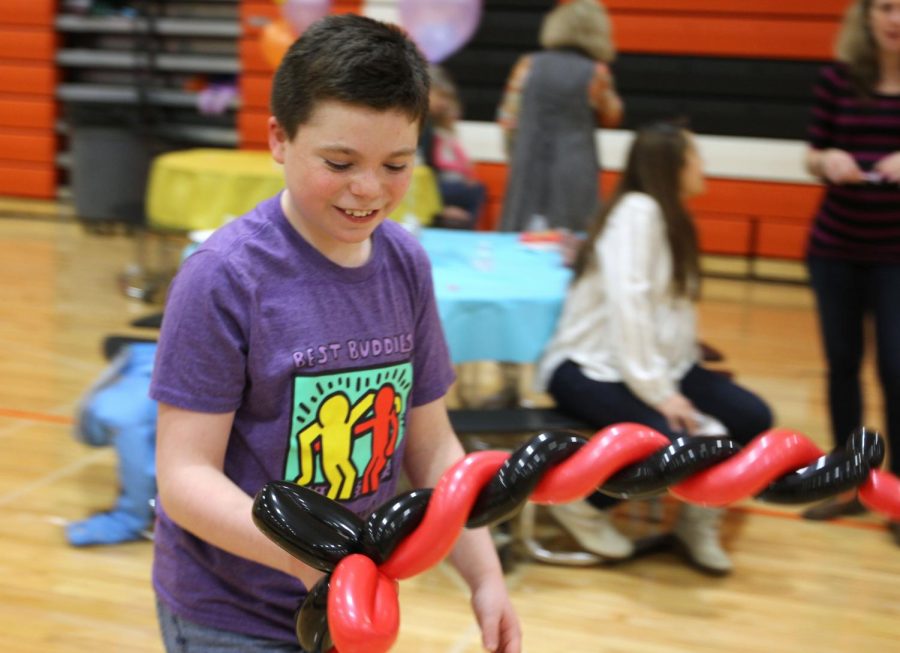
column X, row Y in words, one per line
column 385, row 427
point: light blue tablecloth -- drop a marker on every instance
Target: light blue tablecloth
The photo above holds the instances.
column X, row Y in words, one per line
column 499, row 299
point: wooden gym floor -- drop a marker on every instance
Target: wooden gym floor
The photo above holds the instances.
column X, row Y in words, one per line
column 798, row 586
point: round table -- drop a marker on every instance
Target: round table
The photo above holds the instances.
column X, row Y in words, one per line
column 499, row 297
column 201, row 189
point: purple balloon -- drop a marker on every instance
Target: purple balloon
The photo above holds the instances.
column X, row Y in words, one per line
column 440, row 27
column 300, row 14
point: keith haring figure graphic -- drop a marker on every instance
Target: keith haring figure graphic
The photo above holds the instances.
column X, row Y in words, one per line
column 384, row 426
column 332, row 430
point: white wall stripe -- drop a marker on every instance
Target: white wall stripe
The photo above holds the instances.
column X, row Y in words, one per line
column 728, row 157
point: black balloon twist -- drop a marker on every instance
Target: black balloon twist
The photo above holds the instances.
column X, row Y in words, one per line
column 322, row 533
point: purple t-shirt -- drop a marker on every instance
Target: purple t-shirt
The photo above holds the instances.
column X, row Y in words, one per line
column 319, row 362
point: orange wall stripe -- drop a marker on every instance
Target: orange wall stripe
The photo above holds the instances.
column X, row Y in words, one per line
column 30, row 146
column 728, row 234
column 27, row 12
column 832, row 8
column 792, row 29
column 252, row 58
column 778, row 240
column 28, row 78
column 27, row 180
column 724, row 36
column 738, row 217
column 27, row 114
column 347, row 6
column 771, row 199
column 255, row 90
column 252, row 128
column 27, row 44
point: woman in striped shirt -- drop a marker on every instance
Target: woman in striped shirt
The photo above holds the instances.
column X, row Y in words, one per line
column 854, row 247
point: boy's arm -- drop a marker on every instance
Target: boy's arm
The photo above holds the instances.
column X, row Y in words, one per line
column 431, row 448
column 196, row 494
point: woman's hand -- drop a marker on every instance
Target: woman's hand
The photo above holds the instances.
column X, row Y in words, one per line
column 600, row 83
column 603, row 98
column 839, row 167
column 889, row 167
column 679, row 413
column 500, row 630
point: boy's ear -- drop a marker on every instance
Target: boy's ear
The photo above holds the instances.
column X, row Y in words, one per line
column 277, row 139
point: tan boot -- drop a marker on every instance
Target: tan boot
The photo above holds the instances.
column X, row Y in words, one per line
column 592, row 529
column 697, row 530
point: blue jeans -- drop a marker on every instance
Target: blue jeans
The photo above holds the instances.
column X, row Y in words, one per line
column 601, row 404
column 845, row 293
column 183, row 636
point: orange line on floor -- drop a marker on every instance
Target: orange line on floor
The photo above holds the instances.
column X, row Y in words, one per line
column 760, row 511
column 35, row 417
column 849, row 523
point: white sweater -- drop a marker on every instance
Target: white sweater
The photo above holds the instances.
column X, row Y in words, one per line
column 621, row 321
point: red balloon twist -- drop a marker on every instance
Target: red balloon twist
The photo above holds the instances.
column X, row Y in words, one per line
column 363, row 612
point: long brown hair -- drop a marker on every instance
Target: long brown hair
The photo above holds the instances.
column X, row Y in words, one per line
column 857, row 48
column 655, row 161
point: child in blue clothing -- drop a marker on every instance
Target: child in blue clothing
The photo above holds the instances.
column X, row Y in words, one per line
column 302, row 342
column 116, row 411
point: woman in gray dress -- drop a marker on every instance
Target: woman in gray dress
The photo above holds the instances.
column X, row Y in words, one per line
column 554, row 101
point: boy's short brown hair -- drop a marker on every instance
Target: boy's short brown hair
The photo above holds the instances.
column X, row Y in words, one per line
column 351, row 59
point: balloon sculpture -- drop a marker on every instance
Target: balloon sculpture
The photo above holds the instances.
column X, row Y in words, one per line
column 440, row 27
column 300, row 14
column 354, row 608
column 278, row 35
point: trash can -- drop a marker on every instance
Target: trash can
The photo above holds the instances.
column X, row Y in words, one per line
column 110, row 152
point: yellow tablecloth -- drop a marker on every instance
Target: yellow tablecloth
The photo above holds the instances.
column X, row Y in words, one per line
column 423, row 199
column 201, row 189
column 204, row 188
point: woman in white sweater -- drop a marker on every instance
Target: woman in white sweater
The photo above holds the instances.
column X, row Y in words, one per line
column 625, row 349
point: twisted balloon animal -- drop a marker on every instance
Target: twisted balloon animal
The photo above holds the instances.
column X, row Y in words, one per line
column 354, row 608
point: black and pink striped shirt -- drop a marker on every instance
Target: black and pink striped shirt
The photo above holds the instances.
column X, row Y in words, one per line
column 856, row 222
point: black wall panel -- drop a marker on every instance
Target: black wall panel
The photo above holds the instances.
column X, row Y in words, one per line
column 736, row 97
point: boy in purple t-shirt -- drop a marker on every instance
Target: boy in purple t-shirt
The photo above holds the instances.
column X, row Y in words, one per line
column 301, row 342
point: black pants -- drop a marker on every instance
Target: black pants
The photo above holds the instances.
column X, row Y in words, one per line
column 465, row 195
column 602, row 404
column 845, row 293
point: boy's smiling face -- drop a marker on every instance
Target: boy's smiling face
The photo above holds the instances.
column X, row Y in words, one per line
column 345, row 170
